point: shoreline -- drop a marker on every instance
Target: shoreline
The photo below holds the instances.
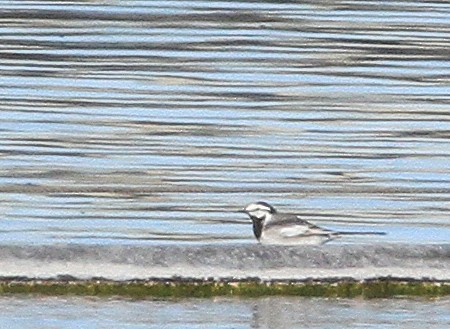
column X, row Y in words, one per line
column 180, row 287
column 368, row 271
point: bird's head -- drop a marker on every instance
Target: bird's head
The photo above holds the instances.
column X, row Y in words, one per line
column 259, row 210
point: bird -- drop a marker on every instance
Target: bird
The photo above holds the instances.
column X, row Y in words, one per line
column 272, row 227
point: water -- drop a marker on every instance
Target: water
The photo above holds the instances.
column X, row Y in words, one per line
column 153, row 121
column 273, row 312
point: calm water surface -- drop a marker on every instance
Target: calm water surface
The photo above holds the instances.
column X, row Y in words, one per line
column 153, row 121
column 274, row 312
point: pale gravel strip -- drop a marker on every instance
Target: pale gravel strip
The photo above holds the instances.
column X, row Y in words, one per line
column 117, row 262
column 122, row 272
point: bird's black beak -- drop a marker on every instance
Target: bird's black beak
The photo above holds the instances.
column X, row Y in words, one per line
column 242, row 211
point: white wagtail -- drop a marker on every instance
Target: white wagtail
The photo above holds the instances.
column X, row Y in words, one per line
column 271, row 227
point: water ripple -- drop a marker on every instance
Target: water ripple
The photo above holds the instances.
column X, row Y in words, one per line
column 154, row 121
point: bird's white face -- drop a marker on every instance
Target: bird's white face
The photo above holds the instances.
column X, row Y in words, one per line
column 259, row 211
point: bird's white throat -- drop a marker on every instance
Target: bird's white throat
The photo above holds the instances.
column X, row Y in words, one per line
column 261, row 214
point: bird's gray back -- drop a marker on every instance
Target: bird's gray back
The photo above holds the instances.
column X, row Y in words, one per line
column 283, row 219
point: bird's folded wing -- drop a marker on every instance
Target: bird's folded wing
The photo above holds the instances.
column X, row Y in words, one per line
column 297, row 230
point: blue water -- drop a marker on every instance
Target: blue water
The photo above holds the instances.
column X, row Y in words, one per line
column 273, row 312
column 153, row 122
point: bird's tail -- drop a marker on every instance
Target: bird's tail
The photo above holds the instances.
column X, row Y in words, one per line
column 361, row 233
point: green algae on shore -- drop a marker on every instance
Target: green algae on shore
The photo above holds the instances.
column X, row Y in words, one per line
column 376, row 288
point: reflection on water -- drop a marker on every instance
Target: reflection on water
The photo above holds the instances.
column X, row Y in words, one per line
column 274, row 312
column 153, row 120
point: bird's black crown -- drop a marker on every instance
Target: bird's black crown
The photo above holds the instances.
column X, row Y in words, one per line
column 265, row 204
